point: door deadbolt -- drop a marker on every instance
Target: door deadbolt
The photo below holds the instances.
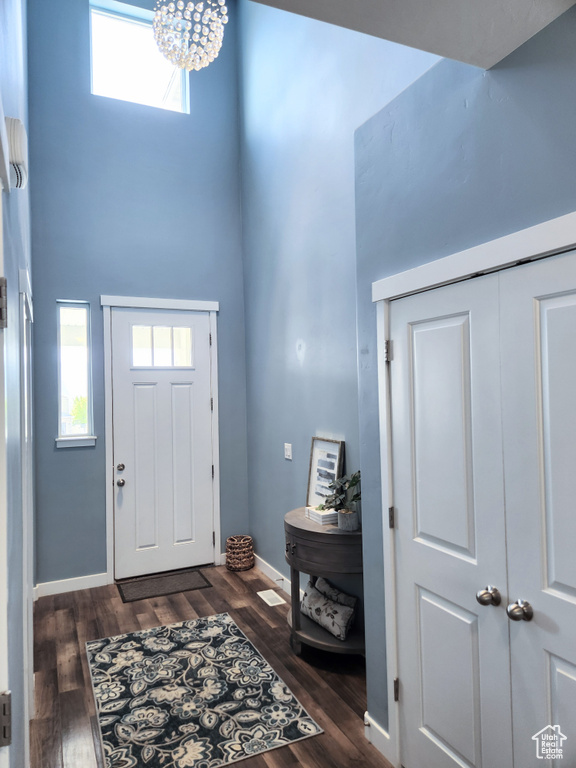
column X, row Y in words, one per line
column 489, row 596
column 121, row 467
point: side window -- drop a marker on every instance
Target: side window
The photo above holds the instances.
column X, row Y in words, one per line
column 126, row 62
column 74, row 372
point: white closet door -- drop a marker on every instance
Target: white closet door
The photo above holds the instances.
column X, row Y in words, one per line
column 538, row 330
column 448, row 491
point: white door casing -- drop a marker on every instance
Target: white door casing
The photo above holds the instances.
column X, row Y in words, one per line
column 450, row 534
column 4, row 751
column 529, row 351
column 27, row 452
column 165, row 433
column 537, row 242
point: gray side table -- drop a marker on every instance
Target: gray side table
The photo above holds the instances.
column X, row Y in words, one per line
column 319, row 550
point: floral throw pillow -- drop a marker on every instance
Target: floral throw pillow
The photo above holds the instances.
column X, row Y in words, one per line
column 328, row 590
column 335, row 618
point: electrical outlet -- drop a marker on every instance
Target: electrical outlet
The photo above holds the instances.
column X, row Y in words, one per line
column 288, row 451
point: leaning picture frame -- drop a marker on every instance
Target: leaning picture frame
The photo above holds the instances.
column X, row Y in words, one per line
column 326, row 460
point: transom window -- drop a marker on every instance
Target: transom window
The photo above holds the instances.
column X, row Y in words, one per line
column 161, row 346
column 126, row 62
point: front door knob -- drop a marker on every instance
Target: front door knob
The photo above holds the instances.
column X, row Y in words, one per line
column 520, row 610
column 121, row 467
column 489, row 596
column 121, row 483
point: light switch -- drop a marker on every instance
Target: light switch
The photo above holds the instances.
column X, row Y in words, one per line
column 288, row 451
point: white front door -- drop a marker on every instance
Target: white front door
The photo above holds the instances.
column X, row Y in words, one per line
column 538, row 330
column 483, row 385
column 451, row 538
column 162, row 420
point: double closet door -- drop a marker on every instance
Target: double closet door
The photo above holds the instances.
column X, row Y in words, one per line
column 483, row 412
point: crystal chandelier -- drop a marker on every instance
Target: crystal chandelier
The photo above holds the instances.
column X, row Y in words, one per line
column 190, row 34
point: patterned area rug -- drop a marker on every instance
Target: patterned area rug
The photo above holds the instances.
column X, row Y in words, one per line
column 190, row 695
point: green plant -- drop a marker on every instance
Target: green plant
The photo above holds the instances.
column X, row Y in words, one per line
column 345, row 491
column 80, row 410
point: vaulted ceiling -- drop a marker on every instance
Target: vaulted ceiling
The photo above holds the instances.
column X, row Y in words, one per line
column 478, row 32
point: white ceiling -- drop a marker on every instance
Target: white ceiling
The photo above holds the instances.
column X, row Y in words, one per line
column 478, row 32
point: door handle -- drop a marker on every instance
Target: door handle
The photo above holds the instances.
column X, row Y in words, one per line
column 121, row 483
column 520, row 610
column 489, row 596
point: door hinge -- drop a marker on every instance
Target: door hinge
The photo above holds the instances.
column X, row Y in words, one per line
column 212, row 471
column 391, row 517
column 3, row 303
column 387, row 350
column 210, row 337
column 5, row 719
column 212, row 404
column 396, row 689
column 214, row 538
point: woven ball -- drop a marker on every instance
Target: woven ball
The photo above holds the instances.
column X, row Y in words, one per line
column 239, row 553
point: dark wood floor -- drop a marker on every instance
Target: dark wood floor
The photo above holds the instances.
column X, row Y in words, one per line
column 64, row 733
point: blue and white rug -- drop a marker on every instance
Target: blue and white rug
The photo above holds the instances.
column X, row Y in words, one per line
column 191, row 695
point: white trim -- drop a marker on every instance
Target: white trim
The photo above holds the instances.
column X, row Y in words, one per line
column 71, row 585
column 4, row 751
column 4, row 153
column 109, row 440
column 215, row 436
column 392, row 743
column 273, row 574
column 25, row 288
column 27, row 484
column 145, row 303
column 535, row 242
column 108, row 302
column 76, row 441
column 377, row 736
column 546, row 239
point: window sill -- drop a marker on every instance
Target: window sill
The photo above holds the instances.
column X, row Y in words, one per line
column 76, row 441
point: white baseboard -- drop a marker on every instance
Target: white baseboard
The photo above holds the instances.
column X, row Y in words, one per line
column 71, row 585
column 101, row 579
column 273, row 574
column 379, row 738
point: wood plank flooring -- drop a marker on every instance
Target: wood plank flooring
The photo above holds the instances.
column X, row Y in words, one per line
column 64, row 733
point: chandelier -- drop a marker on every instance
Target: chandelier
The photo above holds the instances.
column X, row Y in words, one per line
column 190, row 34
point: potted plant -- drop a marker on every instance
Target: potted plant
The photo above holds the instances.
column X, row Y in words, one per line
column 345, row 493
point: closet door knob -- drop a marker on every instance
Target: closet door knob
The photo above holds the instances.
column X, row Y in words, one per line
column 489, row 596
column 521, row 610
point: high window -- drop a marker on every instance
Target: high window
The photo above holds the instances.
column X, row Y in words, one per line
column 126, row 63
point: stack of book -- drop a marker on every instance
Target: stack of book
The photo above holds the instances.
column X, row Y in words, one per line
column 322, row 516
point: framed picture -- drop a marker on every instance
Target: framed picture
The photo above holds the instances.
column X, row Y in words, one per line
column 326, row 459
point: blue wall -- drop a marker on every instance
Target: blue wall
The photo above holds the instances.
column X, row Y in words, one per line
column 126, row 200
column 306, row 87
column 16, row 257
column 460, row 158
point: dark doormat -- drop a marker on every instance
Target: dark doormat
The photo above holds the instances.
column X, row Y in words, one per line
column 161, row 584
